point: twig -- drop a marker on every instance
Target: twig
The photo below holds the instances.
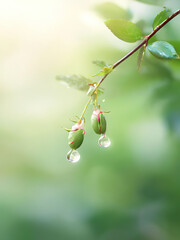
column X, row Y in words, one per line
column 144, row 42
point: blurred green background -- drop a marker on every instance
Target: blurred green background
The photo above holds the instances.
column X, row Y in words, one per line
column 129, row 191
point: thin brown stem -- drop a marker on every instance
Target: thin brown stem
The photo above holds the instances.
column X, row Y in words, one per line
column 144, row 42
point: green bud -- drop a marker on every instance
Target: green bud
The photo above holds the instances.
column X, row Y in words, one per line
column 98, row 122
column 76, row 138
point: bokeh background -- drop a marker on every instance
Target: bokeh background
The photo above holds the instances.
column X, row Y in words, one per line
column 128, row 191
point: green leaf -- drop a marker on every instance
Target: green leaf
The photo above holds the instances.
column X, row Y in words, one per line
column 111, row 10
column 100, row 64
column 75, row 81
column 152, row 2
column 163, row 15
column 124, row 30
column 104, row 71
column 163, row 50
column 140, row 57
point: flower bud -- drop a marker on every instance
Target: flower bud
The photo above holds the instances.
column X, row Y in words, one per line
column 76, row 136
column 98, row 122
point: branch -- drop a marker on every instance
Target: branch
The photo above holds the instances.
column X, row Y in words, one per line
column 144, row 42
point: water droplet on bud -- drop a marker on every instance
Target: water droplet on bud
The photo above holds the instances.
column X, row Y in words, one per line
column 73, row 156
column 104, row 141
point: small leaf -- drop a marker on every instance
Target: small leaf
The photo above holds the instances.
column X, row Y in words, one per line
column 100, row 90
column 152, row 2
column 140, row 57
column 75, row 119
column 67, row 129
column 111, row 10
column 75, row 81
column 164, row 50
column 101, row 73
column 104, row 71
column 100, row 64
column 163, row 15
column 124, row 30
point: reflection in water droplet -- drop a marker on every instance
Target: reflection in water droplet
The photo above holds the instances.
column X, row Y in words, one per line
column 104, row 141
column 73, row 156
column 103, row 100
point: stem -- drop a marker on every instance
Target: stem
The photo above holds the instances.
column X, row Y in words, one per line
column 97, row 99
column 144, row 42
column 147, row 38
column 85, row 109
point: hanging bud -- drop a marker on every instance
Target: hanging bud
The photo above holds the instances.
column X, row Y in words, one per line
column 98, row 122
column 76, row 136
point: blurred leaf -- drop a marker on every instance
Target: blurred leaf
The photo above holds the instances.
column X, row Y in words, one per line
column 140, row 57
column 67, row 129
column 164, row 50
column 152, row 2
column 163, row 15
column 100, row 90
column 75, row 81
column 101, row 64
column 111, row 10
column 124, row 30
column 104, row 71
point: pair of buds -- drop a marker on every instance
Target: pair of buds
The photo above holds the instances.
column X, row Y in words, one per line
column 76, row 134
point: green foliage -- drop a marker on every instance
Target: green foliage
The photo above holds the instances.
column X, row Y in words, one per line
column 79, row 82
column 101, row 64
column 75, row 81
column 104, row 71
column 163, row 50
column 163, row 15
column 111, row 10
column 124, row 30
column 152, row 2
column 106, row 68
column 128, row 192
